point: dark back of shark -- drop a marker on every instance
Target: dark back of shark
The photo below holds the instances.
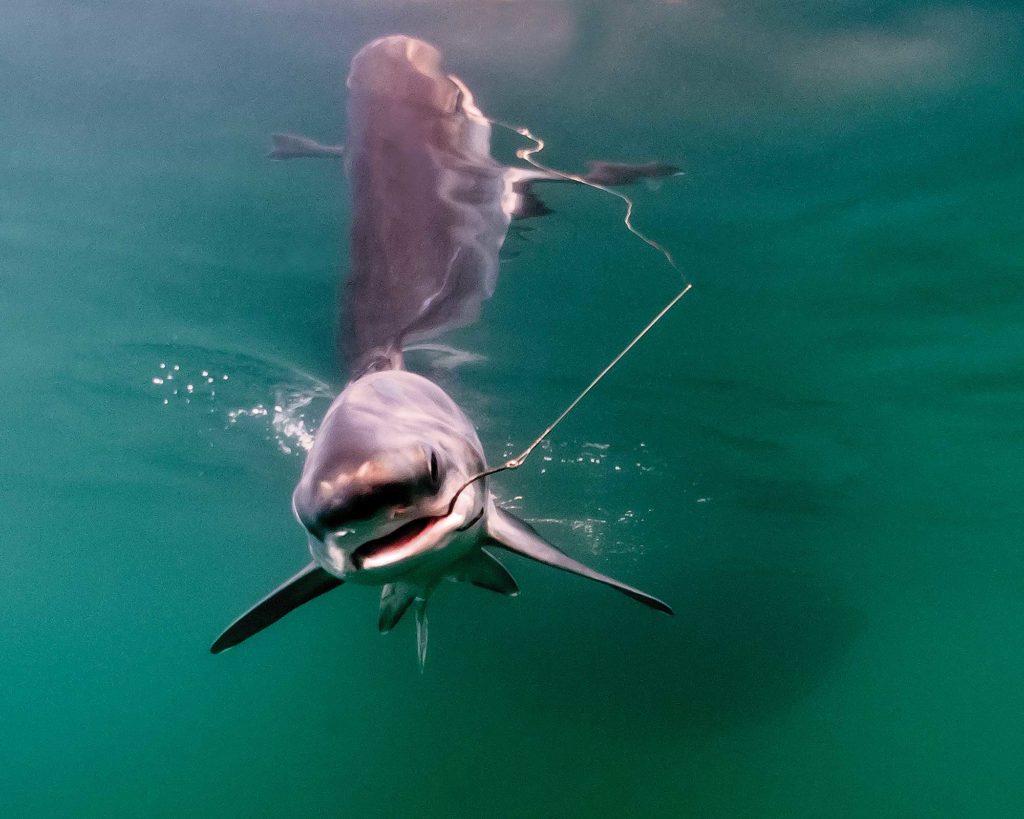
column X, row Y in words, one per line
column 383, row 495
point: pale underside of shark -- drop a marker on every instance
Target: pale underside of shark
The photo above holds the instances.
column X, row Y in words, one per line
column 383, row 494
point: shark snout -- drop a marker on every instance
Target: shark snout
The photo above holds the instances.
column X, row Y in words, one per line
column 361, row 503
column 357, row 506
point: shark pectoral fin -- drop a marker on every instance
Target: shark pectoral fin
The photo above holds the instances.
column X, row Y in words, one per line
column 395, row 599
column 484, row 570
column 508, row 532
column 293, row 146
column 611, row 174
column 309, row 583
column 527, row 203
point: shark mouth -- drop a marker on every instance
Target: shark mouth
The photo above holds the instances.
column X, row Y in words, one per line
column 406, row 541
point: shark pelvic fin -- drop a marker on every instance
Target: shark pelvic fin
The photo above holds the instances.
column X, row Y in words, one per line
column 484, row 570
column 511, row 533
column 293, row 146
column 309, row 583
column 395, row 599
column 421, row 631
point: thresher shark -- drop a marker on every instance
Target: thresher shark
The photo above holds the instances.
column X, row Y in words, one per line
column 394, row 490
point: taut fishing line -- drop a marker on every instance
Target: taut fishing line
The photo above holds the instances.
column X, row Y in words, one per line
column 527, row 155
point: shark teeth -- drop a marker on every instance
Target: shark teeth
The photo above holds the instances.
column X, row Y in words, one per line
column 400, row 544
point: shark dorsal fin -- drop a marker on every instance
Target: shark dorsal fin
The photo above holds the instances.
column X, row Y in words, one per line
column 509, row 532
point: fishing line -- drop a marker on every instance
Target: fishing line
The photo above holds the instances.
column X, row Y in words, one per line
column 520, row 459
column 527, row 154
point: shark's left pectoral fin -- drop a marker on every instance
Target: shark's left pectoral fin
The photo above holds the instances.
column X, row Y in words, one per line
column 508, row 532
column 311, row 582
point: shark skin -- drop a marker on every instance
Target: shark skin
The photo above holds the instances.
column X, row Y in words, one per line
column 383, row 494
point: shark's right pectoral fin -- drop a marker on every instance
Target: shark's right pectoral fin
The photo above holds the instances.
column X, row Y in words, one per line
column 508, row 532
column 311, row 582
column 293, row 146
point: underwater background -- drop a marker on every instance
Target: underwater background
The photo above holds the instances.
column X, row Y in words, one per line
column 816, row 459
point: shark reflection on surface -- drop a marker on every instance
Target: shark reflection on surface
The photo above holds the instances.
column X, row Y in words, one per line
column 383, row 494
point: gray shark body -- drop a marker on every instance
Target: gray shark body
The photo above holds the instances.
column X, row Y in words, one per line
column 431, row 210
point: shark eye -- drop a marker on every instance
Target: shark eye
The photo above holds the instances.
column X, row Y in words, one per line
column 435, row 471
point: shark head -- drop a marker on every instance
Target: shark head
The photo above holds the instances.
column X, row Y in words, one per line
column 375, row 496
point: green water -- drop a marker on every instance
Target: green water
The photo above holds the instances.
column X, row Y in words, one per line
column 816, row 460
